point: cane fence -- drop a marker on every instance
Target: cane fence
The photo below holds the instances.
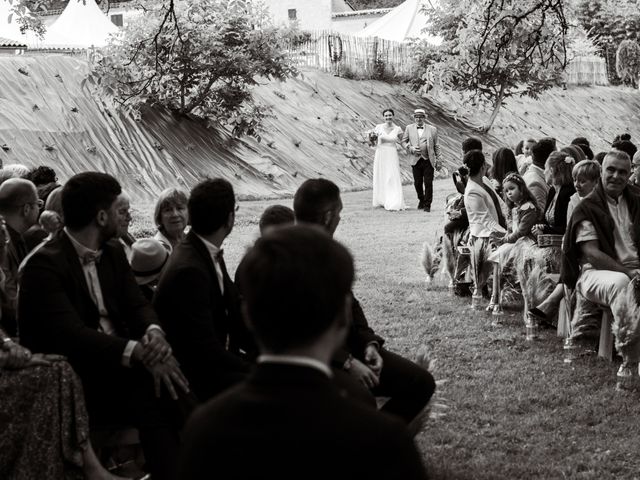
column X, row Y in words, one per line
column 352, row 56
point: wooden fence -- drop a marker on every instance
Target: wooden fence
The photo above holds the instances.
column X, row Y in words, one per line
column 587, row 71
column 353, row 57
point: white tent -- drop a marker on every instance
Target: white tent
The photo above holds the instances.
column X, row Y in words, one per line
column 81, row 25
column 403, row 23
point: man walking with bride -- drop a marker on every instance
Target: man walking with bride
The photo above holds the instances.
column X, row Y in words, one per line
column 421, row 141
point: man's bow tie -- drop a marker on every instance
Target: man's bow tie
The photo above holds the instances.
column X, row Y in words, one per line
column 91, row 257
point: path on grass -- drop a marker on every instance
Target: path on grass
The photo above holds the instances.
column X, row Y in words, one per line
column 516, row 410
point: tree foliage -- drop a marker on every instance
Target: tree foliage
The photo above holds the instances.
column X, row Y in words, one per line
column 628, row 62
column 494, row 49
column 610, row 22
column 197, row 57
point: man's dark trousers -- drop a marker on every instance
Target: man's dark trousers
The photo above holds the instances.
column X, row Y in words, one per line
column 423, row 181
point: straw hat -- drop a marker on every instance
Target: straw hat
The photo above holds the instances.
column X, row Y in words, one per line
column 419, row 112
column 148, row 258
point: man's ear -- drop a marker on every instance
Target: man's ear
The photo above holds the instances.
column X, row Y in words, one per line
column 231, row 219
column 25, row 209
column 327, row 218
column 102, row 218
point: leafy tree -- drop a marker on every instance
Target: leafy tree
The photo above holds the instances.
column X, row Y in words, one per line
column 495, row 49
column 610, row 22
column 628, row 62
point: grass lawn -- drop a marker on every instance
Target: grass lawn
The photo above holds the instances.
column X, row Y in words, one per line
column 515, row 409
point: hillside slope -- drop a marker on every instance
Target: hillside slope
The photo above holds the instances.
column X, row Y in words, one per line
column 47, row 116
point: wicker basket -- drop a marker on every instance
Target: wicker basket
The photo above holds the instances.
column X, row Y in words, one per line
column 550, row 240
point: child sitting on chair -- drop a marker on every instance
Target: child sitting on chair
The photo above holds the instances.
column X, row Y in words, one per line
column 522, row 216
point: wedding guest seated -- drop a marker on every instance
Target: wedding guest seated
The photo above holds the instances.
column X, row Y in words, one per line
column 635, row 166
column 196, row 299
column 45, row 180
column 627, row 146
column 148, row 259
column 20, row 207
column 51, row 220
column 558, row 173
column 456, row 212
column 524, row 159
column 297, row 293
column 599, row 157
column 363, row 356
column 586, row 175
column 78, row 298
column 471, row 143
column 521, row 217
column 534, row 177
column 14, row 170
column 584, row 145
column 275, row 216
column 171, row 217
column 41, row 393
column 486, row 219
column 504, row 162
column 601, row 252
column 123, row 212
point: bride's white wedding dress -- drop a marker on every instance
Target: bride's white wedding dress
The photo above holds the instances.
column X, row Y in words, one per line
column 387, row 183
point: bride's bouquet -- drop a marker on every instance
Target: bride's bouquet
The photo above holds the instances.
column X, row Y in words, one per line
column 372, row 135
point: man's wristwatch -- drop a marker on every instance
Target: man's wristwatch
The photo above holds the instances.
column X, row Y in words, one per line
column 347, row 363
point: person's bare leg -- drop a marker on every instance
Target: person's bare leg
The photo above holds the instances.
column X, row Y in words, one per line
column 552, row 302
column 93, row 469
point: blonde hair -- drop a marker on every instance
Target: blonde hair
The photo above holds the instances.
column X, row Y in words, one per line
column 587, row 169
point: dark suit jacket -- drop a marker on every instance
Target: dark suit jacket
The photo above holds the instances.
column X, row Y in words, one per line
column 56, row 313
column 197, row 318
column 290, row 422
column 559, row 224
column 359, row 336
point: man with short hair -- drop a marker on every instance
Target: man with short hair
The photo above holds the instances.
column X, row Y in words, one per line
column 78, row 298
column 471, row 143
column 275, row 216
column 534, row 176
column 20, row 207
column 601, row 252
column 288, row 420
column 421, row 141
column 197, row 300
column 362, row 356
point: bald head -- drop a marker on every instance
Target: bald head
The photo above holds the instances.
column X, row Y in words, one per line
column 19, row 203
column 15, row 193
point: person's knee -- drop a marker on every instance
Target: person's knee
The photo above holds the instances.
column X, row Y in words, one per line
column 618, row 283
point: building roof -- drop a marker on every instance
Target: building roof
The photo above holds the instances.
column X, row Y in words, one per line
column 8, row 43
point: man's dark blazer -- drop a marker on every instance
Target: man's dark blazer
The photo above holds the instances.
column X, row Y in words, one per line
column 197, row 318
column 56, row 313
column 290, row 422
column 359, row 336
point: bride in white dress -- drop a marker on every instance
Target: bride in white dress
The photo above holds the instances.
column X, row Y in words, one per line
column 387, row 183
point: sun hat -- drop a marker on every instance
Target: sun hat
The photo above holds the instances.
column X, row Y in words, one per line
column 148, row 258
column 419, row 111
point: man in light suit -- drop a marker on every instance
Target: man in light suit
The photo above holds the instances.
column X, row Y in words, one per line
column 288, row 420
column 421, row 140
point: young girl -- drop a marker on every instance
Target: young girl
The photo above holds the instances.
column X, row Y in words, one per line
column 522, row 216
column 524, row 159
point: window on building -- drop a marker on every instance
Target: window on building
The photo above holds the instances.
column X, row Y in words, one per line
column 117, row 20
column 293, row 14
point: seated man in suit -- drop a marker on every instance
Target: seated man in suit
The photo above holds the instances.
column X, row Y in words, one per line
column 196, row 300
column 78, row 298
column 288, row 420
column 386, row 374
column 20, row 207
